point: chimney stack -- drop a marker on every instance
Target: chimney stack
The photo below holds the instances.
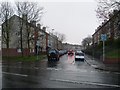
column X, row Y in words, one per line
column 24, row 16
column 39, row 26
column 44, row 28
column 33, row 23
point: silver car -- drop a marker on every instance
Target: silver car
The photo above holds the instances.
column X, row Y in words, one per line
column 79, row 55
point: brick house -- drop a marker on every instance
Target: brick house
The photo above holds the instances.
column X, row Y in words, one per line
column 34, row 38
column 111, row 28
column 15, row 26
column 53, row 42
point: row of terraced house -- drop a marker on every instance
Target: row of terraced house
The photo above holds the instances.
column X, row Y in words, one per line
column 109, row 27
column 27, row 38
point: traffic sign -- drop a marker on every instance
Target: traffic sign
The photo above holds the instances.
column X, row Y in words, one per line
column 103, row 37
column 38, row 43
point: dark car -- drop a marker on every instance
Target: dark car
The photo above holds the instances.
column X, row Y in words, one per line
column 70, row 52
column 62, row 52
column 53, row 54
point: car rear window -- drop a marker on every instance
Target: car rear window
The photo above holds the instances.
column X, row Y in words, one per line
column 81, row 54
column 52, row 51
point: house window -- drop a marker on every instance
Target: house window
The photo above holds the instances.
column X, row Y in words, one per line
column 31, row 50
column 18, row 34
column 19, row 41
column 19, row 50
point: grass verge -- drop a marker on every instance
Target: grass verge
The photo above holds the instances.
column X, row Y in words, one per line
column 113, row 54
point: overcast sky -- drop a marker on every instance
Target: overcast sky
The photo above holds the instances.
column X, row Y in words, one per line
column 74, row 18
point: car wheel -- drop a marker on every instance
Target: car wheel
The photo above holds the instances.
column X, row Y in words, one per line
column 48, row 59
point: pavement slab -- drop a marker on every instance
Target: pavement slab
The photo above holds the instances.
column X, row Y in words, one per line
column 97, row 64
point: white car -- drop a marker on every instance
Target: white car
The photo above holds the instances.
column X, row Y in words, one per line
column 79, row 55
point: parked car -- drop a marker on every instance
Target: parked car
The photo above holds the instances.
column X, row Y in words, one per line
column 79, row 55
column 62, row 52
column 53, row 54
column 70, row 52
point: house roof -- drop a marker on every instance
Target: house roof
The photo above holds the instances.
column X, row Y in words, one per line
column 12, row 17
column 104, row 23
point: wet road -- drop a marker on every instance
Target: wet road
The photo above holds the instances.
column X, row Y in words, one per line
column 66, row 73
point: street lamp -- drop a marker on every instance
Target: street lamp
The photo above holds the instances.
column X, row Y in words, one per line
column 37, row 47
column 41, row 36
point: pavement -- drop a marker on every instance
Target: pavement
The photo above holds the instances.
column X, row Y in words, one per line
column 98, row 64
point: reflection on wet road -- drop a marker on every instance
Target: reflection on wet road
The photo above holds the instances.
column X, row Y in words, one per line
column 65, row 73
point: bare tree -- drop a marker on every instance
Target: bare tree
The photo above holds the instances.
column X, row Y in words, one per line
column 87, row 41
column 32, row 12
column 6, row 12
column 84, row 44
column 61, row 37
column 31, row 9
column 106, row 7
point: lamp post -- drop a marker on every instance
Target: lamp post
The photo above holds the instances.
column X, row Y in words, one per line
column 42, row 35
column 37, row 47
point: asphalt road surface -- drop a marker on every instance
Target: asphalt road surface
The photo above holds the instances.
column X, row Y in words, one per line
column 65, row 73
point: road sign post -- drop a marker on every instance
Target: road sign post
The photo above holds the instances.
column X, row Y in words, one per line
column 103, row 50
column 103, row 38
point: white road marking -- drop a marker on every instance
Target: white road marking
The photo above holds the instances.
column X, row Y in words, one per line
column 105, row 72
column 57, row 69
column 90, row 83
column 23, row 75
column 116, row 72
column 73, row 62
column 50, row 69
